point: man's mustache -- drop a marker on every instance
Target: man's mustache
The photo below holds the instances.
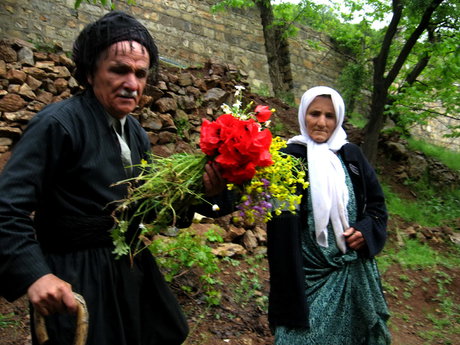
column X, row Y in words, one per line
column 127, row 93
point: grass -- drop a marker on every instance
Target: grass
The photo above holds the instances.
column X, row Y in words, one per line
column 443, row 203
column 357, row 120
column 448, row 157
column 7, row 320
column 430, row 209
column 416, row 255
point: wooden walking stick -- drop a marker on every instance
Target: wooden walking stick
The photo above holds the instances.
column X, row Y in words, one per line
column 81, row 331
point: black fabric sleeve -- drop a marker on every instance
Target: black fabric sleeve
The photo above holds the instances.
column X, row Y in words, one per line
column 287, row 302
column 21, row 184
column 373, row 217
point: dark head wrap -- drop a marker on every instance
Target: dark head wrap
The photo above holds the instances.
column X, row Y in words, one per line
column 115, row 26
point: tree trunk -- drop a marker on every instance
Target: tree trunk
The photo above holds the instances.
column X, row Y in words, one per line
column 382, row 82
column 276, row 49
column 374, row 125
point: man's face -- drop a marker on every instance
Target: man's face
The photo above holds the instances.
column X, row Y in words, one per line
column 120, row 77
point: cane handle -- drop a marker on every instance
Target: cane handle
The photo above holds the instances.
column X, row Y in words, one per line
column 81, row 331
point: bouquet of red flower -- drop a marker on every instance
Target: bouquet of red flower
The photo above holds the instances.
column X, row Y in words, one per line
column 241, row 143
column 239, row 146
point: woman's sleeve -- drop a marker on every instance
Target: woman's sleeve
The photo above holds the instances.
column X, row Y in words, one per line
column 373, row 221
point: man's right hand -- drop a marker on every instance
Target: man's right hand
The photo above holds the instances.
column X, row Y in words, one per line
column 50, row 295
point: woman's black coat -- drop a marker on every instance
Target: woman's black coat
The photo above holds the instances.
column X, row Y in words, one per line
column 287, row 302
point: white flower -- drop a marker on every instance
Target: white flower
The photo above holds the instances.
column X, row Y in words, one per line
column 239, row 88
column 215, row 207
column 237, row 104
column 226, row 109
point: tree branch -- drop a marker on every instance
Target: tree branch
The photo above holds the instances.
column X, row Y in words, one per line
column 381, row 60
column 410, row 43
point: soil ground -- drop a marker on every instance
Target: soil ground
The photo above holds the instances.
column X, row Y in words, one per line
column 415, row 299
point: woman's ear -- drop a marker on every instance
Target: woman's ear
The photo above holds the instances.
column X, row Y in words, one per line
column 89, row 78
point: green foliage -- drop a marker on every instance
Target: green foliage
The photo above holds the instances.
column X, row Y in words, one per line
column 443, row 203
column 415, row 255
column 448, row 157
column 250, row 288
column 182, row 125
column 165, row 187
column 227, row 4
column 189, row 252
column 357, row 120
column 443, row 206
column 7, row 320
column 262, row 90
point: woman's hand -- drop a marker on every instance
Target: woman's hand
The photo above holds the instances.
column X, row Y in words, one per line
column 354, row 238
column 50, row 295
column 213, row 181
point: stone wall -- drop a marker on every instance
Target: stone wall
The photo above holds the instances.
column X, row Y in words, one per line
column 435, row 129
column 186, row 32
column 171, row 110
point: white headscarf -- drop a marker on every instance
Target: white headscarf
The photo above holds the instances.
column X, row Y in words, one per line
column 329, row 192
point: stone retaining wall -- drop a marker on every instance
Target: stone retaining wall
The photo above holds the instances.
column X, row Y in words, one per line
column 186, row 32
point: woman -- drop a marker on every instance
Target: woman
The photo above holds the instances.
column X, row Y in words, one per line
column 325, row 286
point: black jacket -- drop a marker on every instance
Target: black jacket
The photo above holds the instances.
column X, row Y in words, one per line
column 64, row 165
column 287, row 303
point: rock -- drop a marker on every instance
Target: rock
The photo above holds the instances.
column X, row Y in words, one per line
column 27, row 92
column 215, row 96
column 44, row 96
column 168, row 122
column 61, row 85
column 234, row 232
column 185, row 79
column 250, row 240
column 21, row 115
column 187, row 102
column 416, row 166
column 166, row 104
column 455, row 238
column 26, row 56
column 35, row 72
column 7, row 53
column 154, row 124
column 64, row 60
column 397, row 150
column 6, row 141
column 2, row 69
column 16, row 77
column 33, row 83
column 12, row 102
column 10, row 132
column 166, row 137
column 261, row 234
column 229, row 250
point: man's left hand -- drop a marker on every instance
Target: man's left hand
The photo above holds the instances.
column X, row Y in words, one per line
column 213, row 181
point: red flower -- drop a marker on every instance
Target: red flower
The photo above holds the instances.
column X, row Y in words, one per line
column 239, row 146
column 262, row 113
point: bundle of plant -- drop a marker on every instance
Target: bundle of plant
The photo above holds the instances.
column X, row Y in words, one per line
column 240, row 142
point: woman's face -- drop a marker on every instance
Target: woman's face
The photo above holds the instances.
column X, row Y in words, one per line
column 320, row 119
column 120, row 77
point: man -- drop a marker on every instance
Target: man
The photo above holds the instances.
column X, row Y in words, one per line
column 61, row 172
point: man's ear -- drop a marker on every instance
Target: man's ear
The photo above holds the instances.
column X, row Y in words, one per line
column 89, row 78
